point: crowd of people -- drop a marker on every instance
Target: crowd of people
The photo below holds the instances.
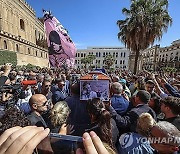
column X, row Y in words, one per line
column 141, row 116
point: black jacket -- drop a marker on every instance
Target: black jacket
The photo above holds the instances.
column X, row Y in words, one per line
column 128, row 122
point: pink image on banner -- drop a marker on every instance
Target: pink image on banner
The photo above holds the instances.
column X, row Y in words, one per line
column 61, row 49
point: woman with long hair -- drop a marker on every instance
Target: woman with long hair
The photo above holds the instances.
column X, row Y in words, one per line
column 101, row 122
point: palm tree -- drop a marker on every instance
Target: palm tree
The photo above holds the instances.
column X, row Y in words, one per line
column 145, row 22
column 109, row 60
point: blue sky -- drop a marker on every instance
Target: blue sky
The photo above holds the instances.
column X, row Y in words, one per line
column 93, row 22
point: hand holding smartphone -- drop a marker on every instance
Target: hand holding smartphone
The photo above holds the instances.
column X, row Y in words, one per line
column 60, row 144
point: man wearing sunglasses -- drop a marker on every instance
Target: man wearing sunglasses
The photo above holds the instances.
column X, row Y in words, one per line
column 39, row 105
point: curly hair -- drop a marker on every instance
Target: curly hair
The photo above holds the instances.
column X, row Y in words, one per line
column 13, row 117
column 60, row 113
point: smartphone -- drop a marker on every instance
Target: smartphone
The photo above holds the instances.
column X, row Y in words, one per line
column 60, row 144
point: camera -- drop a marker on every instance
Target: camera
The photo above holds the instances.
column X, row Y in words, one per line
column 60, row 144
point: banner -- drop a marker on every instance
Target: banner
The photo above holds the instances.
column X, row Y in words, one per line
column 61, row 49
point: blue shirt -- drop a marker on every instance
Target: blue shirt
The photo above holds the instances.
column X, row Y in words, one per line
column 119, row 103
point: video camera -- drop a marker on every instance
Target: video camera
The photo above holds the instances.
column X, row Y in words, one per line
column 17, row 89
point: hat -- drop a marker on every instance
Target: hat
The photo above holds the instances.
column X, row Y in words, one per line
column 144, row 96
column 122, row 81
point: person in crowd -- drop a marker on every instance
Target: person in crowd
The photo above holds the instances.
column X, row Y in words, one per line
column 115, row 78
column 163, row 136
column 125, row 88
column 4, row 77
column 132, row 84
column 46, row 89
column 40, row 79
column 128, row 121
column 59, row 117
column 118, row 101
column 170, row 88
column 87, row 92
column 78, row 110
column 59, row 94
column 139, row 85
column 132, row 142
column 13, row 117
column 170, row 106
column 101, row 122
column 154, row 102
column 39, row 105
column 67, row 84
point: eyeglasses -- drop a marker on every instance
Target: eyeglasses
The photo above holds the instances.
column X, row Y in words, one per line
column 44, row 104
column 47, row 86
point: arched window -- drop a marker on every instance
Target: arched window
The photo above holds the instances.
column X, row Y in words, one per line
column 5, row 44
column 22, row 24
column 17, row 48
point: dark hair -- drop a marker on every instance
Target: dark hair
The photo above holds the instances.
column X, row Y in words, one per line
column 75, row 88
column 173, row 103
column 13, row 117
column 54, row 37
column 96, row 108
column 144, row 96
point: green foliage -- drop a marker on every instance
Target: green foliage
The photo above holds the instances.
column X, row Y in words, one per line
column 88, row 59
column 109, row 60
column 145, row 22
column 8, row 57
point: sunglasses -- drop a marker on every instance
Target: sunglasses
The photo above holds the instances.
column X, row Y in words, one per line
column 44, row 104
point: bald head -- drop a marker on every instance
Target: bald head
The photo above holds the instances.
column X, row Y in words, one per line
column 37, row 99
column 117, row 88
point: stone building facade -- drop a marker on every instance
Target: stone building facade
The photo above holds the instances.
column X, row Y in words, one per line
column 23, row 33
column 121, row 56
column 156, row 57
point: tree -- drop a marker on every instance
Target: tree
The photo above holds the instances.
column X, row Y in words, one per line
column 145, row 22
column 88, row 59
column 109, row 60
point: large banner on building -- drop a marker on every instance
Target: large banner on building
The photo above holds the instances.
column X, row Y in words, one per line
column 61, row 49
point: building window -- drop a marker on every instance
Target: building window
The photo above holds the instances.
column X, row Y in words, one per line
column 124, row 54
column 5, row 44
column 29, row 51
column 81, row 54
column 116, row 54
column 116, row 62
column 36, row 53
column 121, row 54
column 22, row 24
column 42, row 54
column 120, row 61
column 96, row 54
column 17, row 48
column 103, row 54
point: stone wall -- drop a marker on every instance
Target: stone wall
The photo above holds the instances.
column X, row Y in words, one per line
column 19, row 31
